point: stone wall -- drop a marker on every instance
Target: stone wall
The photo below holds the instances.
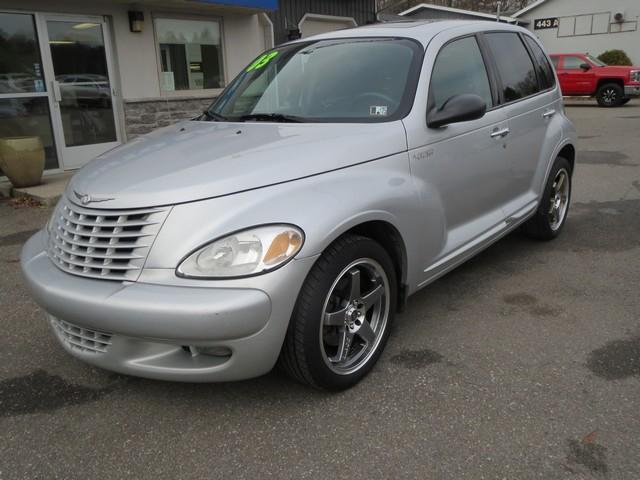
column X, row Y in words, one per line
column 143, row 116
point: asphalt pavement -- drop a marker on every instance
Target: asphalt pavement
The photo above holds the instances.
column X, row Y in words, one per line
column 523, row 363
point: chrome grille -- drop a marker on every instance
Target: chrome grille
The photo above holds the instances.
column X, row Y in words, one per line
column 81, row 339
column 105, row 244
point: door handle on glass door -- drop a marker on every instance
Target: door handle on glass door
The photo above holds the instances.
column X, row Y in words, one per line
column 55, row 88
column 500, row 133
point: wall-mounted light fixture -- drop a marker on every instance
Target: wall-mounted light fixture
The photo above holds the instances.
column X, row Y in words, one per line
column 136, row 21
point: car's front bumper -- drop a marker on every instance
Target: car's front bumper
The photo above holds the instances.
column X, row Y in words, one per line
column 160, row 331
column 632, row 90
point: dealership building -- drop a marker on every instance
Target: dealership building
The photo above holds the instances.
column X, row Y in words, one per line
column 85, row 76
column 585, row 26
column 563, row 26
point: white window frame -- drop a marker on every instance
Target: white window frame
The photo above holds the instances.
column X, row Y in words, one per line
column 196, row 93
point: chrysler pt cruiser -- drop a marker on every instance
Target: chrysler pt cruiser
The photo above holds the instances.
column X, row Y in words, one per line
column 334, row 177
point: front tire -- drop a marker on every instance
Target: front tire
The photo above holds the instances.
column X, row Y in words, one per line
column 341, row 320
column 610, row 95
column 549, row 219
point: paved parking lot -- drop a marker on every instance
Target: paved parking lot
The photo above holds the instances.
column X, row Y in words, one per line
column 523, row 363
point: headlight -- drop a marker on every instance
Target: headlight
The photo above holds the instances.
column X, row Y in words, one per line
column 635, row 75
column 249, row 252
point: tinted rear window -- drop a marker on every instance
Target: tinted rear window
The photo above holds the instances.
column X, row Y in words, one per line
column 545, row 72
column 514, row 65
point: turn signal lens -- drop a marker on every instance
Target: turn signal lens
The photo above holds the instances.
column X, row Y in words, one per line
column 249, row 252
column 282, row 247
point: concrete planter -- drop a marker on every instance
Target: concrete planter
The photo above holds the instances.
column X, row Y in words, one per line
column 22, row 160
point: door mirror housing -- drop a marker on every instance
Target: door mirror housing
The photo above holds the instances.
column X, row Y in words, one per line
column 459, row 108
column 585, row 66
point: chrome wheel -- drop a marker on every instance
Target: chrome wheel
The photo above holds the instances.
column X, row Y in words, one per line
column 610, row 96
column 354, row 316
column 559, row 199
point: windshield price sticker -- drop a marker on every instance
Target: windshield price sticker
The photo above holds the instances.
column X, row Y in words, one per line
column 262, row 60
column 542, row 23
column 378, row 110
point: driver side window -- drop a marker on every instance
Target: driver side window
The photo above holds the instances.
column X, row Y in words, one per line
column 460, row 69
column 573, row 63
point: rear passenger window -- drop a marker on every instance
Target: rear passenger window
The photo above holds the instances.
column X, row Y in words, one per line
column 556, row 62
column 545, row 72
column 514, row 65
column 460, row 69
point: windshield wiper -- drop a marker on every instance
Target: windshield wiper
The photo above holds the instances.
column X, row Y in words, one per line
column 271, row 117
column 212, row 116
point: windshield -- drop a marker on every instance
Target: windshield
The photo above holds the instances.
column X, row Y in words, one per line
column 338, row 80
column 595, row 61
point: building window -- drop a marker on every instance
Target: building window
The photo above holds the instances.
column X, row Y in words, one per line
column 589, row 24
column 593, row 24
column 190, row 54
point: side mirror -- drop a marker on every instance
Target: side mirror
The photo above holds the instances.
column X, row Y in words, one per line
column 585, row 66
column 459, row 108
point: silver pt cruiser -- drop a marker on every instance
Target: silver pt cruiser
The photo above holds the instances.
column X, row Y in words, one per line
column 333, row 178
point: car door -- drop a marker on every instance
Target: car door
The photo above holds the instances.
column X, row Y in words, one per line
column 527, row 95
column 575, row 80
column 460, row 169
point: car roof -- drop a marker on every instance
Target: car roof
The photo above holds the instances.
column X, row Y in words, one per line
column 422, row 31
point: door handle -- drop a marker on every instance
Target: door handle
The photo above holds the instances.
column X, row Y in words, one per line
column 55, row 88
column 500, row 133
column 549, row 114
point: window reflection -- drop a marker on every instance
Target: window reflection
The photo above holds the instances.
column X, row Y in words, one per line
column 20, row 64
column 514, row 64
column 28, row 117
column 80, row 66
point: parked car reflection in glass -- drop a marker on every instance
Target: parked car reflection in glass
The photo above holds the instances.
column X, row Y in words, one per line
column 87, row 89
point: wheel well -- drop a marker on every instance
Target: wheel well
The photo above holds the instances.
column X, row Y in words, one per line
column 569, row 152
column 604, row 81
column 389, row 237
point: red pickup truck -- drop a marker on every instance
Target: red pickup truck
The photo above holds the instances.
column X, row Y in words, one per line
column 584, row 75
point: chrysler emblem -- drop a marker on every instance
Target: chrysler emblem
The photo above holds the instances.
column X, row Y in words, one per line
column 86, row 199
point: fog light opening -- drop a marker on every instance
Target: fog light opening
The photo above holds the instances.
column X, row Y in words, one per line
column 216, row 351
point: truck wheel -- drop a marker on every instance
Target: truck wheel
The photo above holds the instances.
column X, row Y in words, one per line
column 552, row 212
column 342, row 317
column 610, row 95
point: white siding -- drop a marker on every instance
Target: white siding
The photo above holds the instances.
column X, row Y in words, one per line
column 588, row 26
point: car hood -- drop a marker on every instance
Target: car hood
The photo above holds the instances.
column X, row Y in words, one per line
column 616, row 70
column 194, row 160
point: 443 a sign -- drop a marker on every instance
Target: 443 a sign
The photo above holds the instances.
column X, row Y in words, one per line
column 542, row 23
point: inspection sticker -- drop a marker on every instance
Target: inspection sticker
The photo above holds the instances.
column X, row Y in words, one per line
column 378, row 110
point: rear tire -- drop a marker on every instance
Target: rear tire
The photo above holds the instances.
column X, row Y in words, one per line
column 342, row 317
column 610, row 95
column 549, row 219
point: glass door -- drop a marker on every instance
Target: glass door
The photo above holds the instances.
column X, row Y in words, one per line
column 24, row 99
column 79, row 63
